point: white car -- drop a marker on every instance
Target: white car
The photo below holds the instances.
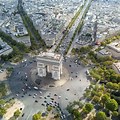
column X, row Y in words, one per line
column 25, row 60
column 40, row 97
column 36, row 88
column 59, row 96
column 23, row 90
column 29, row 87
column 35, row 94
column 40, row 92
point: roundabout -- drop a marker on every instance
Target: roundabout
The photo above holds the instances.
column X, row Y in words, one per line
column 66, row 89
column 48, row 81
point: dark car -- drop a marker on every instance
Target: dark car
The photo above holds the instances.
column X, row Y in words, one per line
column 36, row 101
column 55, row 94
column 23, row 114
column 43, row 104
column 68, row 89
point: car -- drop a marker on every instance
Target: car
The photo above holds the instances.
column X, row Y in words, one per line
column 29, row 87
column 87, row 72
column 43, row 104
column 59, row 96
column 51, row 86
column 47, row 104
column 35, row 94
column 40, row 97
column 48, row 95
column 68, row 89
column 40, row 92
column 16, row 94
column 55, row 94
column 76, row 61
column 36, row 100
column 29, row 94
column 45, row 98
column 36, row 88
column 52, row 98
column 34, row 61
column 1, row 71
column 61, row 117
column 23, row 114
column 45, row 101
column 23, row 90
column 64, row 116
column 66, row 98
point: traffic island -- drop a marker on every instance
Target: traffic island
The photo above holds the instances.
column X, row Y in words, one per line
column 48, row 81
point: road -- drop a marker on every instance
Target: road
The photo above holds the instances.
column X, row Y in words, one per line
column 17, row 82
column 28, row 25
column 67, row 39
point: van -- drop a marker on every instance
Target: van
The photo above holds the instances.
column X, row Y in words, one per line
column 87, row 72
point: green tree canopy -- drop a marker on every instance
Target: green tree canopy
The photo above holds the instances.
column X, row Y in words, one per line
column 104, row 98
column 2, row 111
column 36, row 116
column 89, row 107
column 96, row 99
column 17, row 113
column 101, row 116
column 111, row 105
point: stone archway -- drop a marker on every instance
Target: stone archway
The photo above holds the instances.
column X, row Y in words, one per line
column 49, row 63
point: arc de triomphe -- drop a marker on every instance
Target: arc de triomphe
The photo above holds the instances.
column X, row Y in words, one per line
column 51, row 63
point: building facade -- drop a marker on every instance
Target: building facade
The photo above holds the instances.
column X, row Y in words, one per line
column 5, row 49
column 49, row 63
column 114, row 48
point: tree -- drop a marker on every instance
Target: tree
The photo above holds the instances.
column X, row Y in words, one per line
column 2, row 102
column 49, row 108
column 17, row 113
column 115, row 86
column 2, row 111
column 89, row 107
column 96, row 99
column 115, row 113
column 109, row 85
column 111, row 105
column 104, row 99
column 101, row 116
column 36, row 116
column 119, row 85
column 76, row 113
